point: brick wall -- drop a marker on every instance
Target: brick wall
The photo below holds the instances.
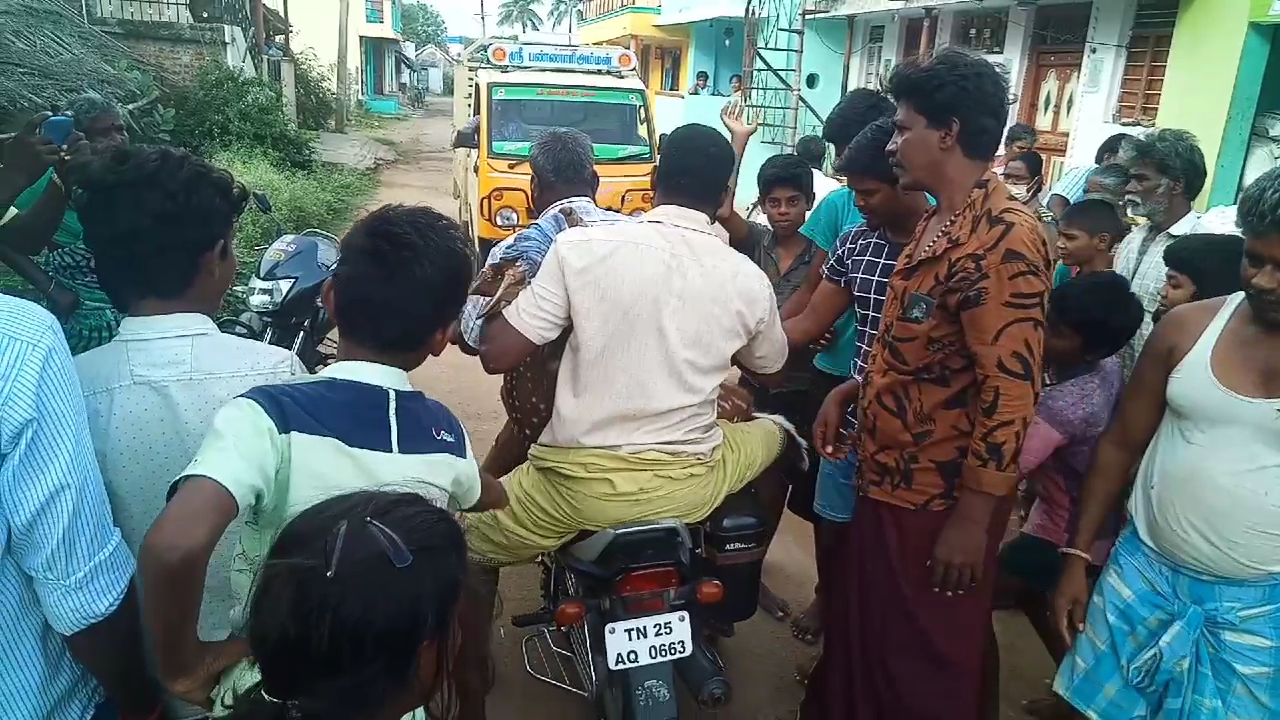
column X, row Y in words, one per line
column 178, row 51
column 180, row 59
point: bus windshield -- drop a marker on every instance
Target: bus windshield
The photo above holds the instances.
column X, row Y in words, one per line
column 616, row 120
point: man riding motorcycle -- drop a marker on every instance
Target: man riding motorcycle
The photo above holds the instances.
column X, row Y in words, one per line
column 660, row 311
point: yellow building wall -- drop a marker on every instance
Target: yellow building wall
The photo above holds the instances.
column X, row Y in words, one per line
column 1204, row 60
column 633, row 27
column 624, row 23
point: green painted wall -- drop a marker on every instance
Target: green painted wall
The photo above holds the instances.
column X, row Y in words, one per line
column 1224, row 183
column 1208, row 45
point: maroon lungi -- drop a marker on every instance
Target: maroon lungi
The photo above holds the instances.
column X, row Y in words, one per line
column 894, row 648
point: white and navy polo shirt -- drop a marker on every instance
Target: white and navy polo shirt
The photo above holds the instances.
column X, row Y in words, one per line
column 279, row 449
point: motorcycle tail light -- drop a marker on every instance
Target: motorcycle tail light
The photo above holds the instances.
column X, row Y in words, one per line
column 709, row 592
column 648, row 591
column 570, row 613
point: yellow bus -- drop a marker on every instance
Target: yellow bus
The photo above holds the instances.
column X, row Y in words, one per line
column 505, row 93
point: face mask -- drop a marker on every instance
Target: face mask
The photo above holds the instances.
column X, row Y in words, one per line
column 1021, row 192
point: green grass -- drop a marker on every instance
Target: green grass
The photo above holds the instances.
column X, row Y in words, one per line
column 326, row 198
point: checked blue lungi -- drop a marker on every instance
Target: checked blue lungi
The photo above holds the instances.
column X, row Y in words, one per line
column 1165, row 643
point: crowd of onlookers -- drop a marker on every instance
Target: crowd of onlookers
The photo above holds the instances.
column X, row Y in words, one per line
column 964, row 350
column 1127, row 251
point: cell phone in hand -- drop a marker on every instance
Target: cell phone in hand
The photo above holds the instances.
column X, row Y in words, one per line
column 58, row 128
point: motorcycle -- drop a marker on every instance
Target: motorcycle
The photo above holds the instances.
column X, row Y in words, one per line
column 283, row 295
column 640, row 604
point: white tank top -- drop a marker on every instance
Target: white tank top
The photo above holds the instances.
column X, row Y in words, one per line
column 1207, row 495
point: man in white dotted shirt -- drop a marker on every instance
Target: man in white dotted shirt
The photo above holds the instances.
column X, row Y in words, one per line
column 1166, row 175
column 159, row 222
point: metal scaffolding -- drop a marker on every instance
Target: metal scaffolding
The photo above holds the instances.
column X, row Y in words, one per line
column 773, row 61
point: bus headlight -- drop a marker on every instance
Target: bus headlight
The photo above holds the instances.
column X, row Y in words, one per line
column 506, row 217
column 637, row 212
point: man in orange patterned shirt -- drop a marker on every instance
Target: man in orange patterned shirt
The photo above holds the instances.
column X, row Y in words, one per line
column 944, row 408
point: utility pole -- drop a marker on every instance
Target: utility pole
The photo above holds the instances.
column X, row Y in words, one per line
column 484, row 25
column 344, row 17
column 288, row 31
column 260, row 36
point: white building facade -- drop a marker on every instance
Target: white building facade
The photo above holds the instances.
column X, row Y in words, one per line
column 1078, row 72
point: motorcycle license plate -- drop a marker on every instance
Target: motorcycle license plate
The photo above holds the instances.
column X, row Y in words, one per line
column 648, row 640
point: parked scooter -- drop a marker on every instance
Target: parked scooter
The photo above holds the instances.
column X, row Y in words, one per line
column 628, row 609
column 283, row 295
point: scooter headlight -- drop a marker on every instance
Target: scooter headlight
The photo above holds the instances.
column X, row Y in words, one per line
column 506, row 217
column 266, row 295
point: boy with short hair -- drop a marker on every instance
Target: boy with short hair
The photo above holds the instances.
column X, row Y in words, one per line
column 1199, row 266
column 1087, row 233
column 277, row 449
column 1090, row 318
column 785, row 184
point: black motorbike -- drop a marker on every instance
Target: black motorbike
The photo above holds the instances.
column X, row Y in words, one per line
column 283, row 295
column 628, row 609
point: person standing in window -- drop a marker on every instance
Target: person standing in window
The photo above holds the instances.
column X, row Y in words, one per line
column 701, row 84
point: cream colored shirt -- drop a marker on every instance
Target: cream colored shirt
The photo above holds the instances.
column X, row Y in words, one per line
column 659, row 310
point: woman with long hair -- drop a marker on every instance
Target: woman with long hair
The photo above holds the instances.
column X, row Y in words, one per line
column 354, row 616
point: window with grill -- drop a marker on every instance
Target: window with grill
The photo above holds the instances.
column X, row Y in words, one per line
column 1147, row 59
column 873, row 56
column 596, row 8
column 981, row 32
column 374, row 11
column 671, row 74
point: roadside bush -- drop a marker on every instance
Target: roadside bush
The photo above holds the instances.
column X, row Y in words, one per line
column 317, row 102
column 326, row 198
column 223, row 109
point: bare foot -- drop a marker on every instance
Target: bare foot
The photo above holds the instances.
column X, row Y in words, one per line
column 807, row 626
column 804, row 669
column 776, row 607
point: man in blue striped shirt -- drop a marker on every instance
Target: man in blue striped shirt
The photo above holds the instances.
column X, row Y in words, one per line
column 68, row 613
column 1070, row 188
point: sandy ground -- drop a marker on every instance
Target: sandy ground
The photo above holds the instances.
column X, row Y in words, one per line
column 763, row 656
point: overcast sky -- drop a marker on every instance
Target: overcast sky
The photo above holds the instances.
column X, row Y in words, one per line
column 463, row 16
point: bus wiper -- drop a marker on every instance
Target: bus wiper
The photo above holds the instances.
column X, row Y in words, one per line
column 517, row 163
column 637, row 152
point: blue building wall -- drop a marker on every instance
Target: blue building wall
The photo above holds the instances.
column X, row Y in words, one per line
column 706, row 111
column 822, row 67
column 709, row 51
column 821, row 77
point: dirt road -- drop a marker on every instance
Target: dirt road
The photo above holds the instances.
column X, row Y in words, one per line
column 763, row 656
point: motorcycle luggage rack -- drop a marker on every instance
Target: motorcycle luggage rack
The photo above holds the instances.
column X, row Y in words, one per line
column 554, row 665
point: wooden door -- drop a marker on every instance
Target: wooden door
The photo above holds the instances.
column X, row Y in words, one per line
column 1051, row 95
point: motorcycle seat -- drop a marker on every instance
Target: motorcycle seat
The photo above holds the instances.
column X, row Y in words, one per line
column 631, row 543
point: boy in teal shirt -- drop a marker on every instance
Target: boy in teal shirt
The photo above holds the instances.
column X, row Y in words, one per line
column 829, row 220
column 835, row 214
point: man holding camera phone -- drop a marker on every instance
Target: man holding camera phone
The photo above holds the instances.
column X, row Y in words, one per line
column 72, row 624
column 33, row 149
column 46, row 228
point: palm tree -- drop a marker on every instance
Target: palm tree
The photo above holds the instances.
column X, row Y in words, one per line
column 560, row 11
column 520, row 13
